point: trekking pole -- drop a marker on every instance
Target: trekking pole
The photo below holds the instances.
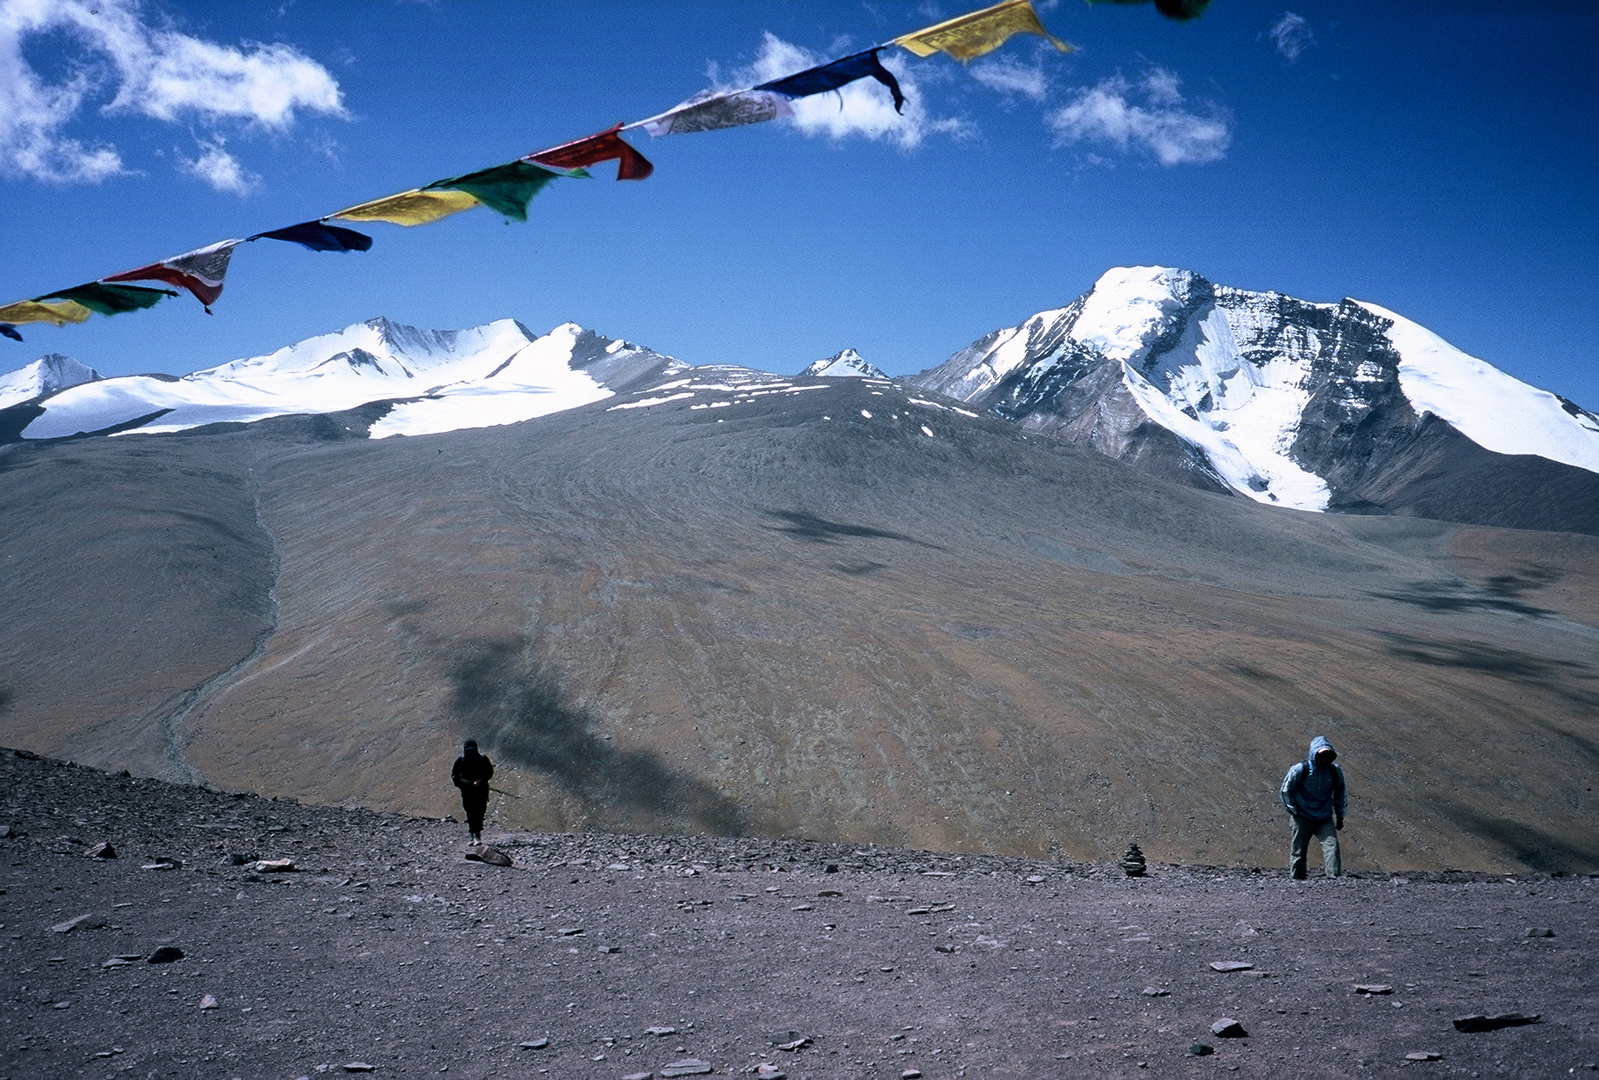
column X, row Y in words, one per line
column 502, row 791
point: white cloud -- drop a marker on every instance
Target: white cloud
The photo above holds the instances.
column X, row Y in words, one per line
column 221, row 170
column 1012, row 77
column 1162, row 125
column 862, row 107
column 150, row 70
column 1292, row 35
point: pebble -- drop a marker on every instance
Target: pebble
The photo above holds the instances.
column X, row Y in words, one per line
column 489, row 856
column 160, row 864
column 117, row 961
column 570, row 931
column 685, row 1067
column 1156, row 991
column 1478, row 1022
column 1539, row 931
column 910, row 1074
column 766, row 1070
column 638, row 1076
column 1228, row 1028
column 208, row 1002
column 360, row 1066
column 278, row 866
column 166, row 954
column 102, row 850
column 534, row 1044
column 1373, row 988
column 86, row 921
column 661, row 1031
column 1230, row 965
column 1201, row 1049
column 1423, row 1055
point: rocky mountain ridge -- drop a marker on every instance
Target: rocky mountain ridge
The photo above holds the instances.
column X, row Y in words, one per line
column 1345, row 407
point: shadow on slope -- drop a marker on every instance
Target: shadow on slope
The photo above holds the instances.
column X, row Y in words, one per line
column 1532, row 847
column 819, row 530
column 518, row 711
column 1509, row 664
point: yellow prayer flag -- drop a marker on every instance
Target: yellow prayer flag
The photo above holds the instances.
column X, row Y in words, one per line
column 967, row 36
column 414, row 207
column 58, row 312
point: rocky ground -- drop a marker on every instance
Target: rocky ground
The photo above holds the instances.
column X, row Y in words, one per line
column 608, row 956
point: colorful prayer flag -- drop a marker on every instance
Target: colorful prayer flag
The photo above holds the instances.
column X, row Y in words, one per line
column 33, row 311
column 414, row 207
column 106, row 299
column 819, row 80
column 506, row 188
column 10, row 331
column 200, row 271
column 971, row 35
column 319, row 236
column 593, row 149
column 713, row 110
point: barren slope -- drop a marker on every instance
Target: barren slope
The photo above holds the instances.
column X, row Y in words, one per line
column 784, row 617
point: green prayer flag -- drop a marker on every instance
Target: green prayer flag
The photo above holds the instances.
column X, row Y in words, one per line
column 507, row 188
column 111, row 299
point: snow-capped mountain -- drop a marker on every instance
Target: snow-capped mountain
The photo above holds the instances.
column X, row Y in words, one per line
column 848, row 363
column 45, row 375
column 1314, row 406
column 439, row 380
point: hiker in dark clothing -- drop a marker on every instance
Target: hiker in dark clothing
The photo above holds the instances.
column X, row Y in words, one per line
column 471, row 774
column 1313, row 795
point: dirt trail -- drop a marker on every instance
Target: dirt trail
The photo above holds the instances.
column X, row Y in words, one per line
column 387, row 947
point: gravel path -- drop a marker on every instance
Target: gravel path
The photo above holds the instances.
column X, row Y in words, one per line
column 607, row 956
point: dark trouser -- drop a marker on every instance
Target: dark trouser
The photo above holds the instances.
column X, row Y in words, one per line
column 476, row 806
column 1302, row 829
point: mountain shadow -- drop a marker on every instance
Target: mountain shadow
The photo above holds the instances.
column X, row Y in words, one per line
column 517, row 710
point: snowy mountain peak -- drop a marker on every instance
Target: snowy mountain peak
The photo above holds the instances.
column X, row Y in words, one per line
column 45, row 375
column 1300, row 404
column 435, row 380
column 847, row 364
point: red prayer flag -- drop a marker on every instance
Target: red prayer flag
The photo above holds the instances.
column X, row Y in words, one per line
column 601, row 146
column 201, row 272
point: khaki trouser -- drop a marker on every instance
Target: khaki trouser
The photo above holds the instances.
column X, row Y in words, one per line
column 1301, row 830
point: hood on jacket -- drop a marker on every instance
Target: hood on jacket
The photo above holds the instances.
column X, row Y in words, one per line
column 1318, row 744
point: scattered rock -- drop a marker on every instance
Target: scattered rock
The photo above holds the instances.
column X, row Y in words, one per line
column 1156, row 991
column 166, row 954
column 793, row 1044
column 276, row 866
column 1373, row 988
column 660, row 1031
column 1423, row 1055
column 1201, row 1049
column 161, row 864
column 117, row 961
column 767, row 1070
column 534, row 1044
column 1228, row 1028
column 1231, row 965
column 1133, row 861
column 610, row 949
column 491, row 856
column 82, row 922
column 1478, row 1022
column 570, row 931
column 944, row 948
column 207, row 1002
column 639, row 1076
column 7, row 832
column 685, row 1067
column 103, row 850
column 360, row 1066
column 910, row 1074
column 1539, row 931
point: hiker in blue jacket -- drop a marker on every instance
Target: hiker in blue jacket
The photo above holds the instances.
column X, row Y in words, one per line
column 1313, row 795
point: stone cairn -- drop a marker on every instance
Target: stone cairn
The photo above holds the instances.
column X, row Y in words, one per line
column 1133, row 861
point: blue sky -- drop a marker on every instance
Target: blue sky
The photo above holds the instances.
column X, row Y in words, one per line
column 1438, row 159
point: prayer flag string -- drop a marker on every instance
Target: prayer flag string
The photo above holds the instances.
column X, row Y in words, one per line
column 509, row 188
